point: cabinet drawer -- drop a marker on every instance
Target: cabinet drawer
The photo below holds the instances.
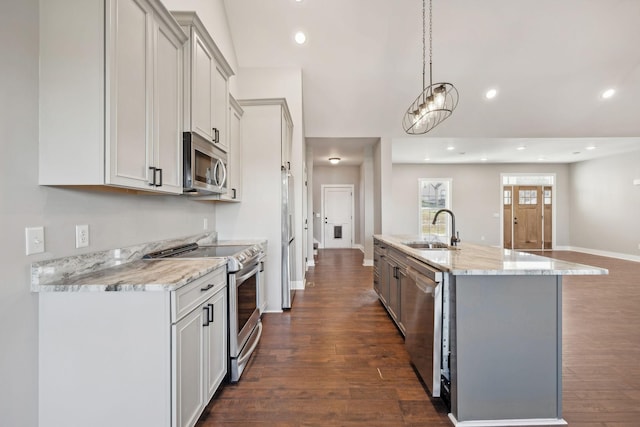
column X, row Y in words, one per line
column 195, row 293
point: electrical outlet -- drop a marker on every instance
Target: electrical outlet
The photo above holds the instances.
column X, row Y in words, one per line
column 206, row 224
column 82, row 236
column 34, row 240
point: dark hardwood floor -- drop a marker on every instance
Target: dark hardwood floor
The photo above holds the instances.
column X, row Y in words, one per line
column 336, row 359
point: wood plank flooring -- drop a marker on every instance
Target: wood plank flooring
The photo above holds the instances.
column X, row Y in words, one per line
column 336, row 359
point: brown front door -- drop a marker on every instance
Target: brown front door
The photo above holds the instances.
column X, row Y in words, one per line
column 527, row 217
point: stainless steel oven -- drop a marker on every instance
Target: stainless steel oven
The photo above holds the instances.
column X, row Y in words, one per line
column 244, row 264
column 245, row 326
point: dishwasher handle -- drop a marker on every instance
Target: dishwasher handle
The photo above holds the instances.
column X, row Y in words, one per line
column 424, row 283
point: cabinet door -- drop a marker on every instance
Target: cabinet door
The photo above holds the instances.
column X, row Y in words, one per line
column 168, row 110
column 394, row 292
column 216, row 342
column 129, row 87
column 234, row 177
column 188, row 368
column 220, row 108
column 202, row 69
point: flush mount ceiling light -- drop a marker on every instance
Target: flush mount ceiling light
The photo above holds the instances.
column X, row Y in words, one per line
column 491, row 93
column 608, row 93
column 300, row 37
column 334, row 160
column 590, row 147
column 437, row 101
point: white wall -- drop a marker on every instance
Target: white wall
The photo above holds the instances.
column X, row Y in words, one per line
column 114, row 219
column 476, row 198
column 605, row 205
column 333, row 175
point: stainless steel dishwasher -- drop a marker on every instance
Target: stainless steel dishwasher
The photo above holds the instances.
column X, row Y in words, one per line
column 422, row 301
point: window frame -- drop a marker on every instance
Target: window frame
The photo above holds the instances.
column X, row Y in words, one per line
column 429, row 231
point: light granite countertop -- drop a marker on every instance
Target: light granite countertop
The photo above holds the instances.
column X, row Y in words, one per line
column 142, row 275
column 123, row 269
column 471, row 259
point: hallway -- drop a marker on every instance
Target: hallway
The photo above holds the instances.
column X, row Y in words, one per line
column 335, row 359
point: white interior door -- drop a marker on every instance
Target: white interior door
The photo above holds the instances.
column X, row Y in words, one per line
column 337, row 202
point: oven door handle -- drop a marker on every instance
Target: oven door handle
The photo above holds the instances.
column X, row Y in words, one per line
column 249, row 352
column 245, row 276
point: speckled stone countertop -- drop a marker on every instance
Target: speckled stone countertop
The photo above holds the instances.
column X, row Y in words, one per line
column 471, row 260
column 142, row 275
column 124, row 269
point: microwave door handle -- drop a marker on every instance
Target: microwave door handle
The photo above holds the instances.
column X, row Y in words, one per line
column 224, row 173
column 214, row 173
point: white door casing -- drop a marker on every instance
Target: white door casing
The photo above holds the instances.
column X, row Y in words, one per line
column 337, row 214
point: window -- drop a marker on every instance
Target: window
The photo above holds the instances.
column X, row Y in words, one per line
column 506, row 197
column 528, row 197
column 434, row 194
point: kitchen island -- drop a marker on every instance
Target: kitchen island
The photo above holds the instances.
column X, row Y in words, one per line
column 497, row 320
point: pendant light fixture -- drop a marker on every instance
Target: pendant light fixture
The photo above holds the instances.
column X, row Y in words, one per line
column 437, row 101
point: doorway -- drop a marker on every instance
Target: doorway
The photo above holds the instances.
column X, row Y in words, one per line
column 527, row 212
column 337, row 214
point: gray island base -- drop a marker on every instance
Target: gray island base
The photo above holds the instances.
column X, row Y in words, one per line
column 502, row 330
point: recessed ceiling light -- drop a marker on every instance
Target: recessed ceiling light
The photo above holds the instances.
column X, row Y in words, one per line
column 608, row 93
column 451, row 148
column 591, row 147
column 426, row 159
column 522, row 147
column 541, row 159
column 491, row 93
column 483, row 159
column 300, row 37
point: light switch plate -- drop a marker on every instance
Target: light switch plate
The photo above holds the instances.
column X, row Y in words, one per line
column 34, row 240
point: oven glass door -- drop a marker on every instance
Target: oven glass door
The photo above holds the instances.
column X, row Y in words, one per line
column 243, row 307
column 246, row 301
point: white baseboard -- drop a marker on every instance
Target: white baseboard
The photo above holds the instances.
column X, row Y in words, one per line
column 358, row 246
column 297, row 285
column 367, row 262
column 311, row 263
column 618, row 255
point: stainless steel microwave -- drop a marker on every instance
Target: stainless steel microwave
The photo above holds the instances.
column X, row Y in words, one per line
column 204, row 166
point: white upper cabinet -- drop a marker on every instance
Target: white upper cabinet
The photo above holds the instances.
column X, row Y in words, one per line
column 206, row 88
column 111, row 90
column 234, row 178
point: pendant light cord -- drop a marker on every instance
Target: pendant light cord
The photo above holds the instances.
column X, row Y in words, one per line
column 430, row 42
column 424, row 49
column 424, row 45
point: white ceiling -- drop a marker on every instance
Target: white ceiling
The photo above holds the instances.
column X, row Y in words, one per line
column 549, row 60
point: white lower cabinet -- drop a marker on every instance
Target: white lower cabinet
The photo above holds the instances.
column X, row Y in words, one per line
column 199, row 347
column 138, row 359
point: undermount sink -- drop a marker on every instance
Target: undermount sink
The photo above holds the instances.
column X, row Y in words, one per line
column 429, row 245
